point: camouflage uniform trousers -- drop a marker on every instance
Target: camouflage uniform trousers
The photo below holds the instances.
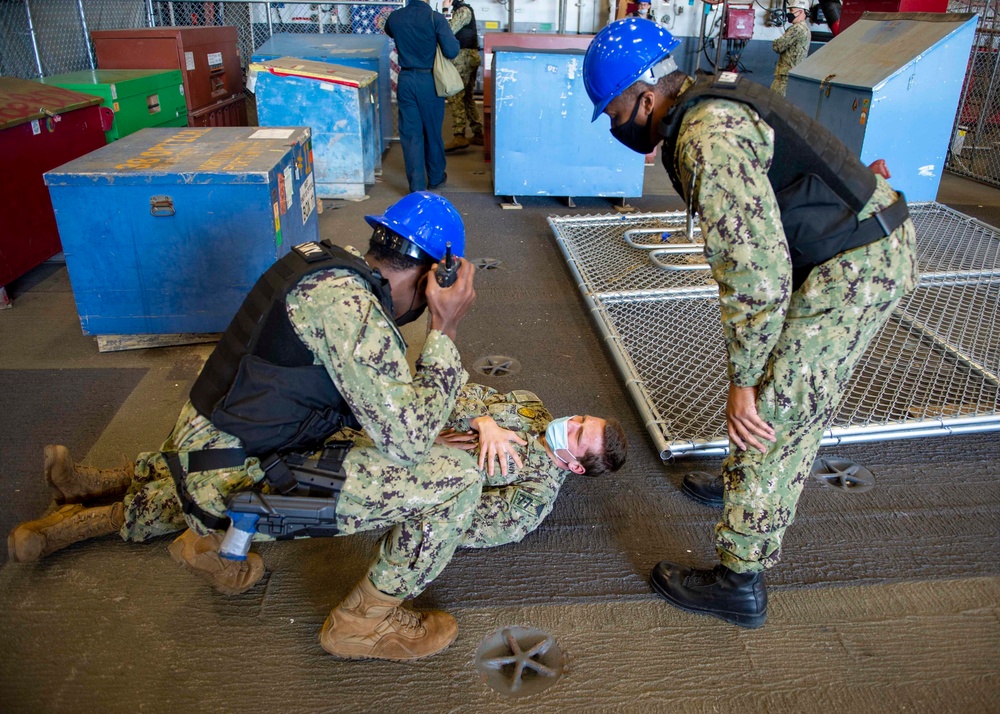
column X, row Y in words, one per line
column 830, row 321
column 152, row 507
column 780, row 84
column 428, row 507
column 464, row 111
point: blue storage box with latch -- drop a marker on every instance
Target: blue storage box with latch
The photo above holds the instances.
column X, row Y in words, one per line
column 544, row 143
column 888, row 87
column 166, row 230
column 339, row 105
column 370, row 52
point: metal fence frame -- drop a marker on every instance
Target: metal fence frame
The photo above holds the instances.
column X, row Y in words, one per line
column 932, row 370
column 974, row 150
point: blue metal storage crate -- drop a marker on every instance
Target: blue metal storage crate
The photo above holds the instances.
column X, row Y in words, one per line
column 544, row 143
column 166, row 230
column 370, row 52
column 888, row 86
column 339, row 105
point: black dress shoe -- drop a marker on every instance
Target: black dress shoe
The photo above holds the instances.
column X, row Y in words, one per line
column 440, row 183
column 703, row 487
column 739, row 598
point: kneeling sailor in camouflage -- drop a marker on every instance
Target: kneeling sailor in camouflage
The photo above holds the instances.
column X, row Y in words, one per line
column 523, row 457
column 811, row 252
column 315, row 348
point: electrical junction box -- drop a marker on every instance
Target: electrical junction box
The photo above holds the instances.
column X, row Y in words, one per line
column 340, row 106
column 544, row 143
column 739, row 22
column 369, row 52
column 139, row 98
column 888, row 87
column 166, row 230
column 41, row 127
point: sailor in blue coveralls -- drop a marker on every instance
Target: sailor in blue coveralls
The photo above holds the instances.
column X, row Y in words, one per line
column 417, row 30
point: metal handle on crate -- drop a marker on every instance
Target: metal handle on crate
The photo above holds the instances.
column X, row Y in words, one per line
column 161, row 206
column 678, row 249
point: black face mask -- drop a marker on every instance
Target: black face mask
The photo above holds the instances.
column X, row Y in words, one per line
column 789, row 16
column 634, row 136
column 413, row 313
column 410, row 315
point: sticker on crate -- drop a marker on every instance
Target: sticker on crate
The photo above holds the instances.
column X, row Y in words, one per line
column 307, row 197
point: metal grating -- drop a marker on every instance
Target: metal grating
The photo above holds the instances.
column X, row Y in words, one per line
column 932, row 370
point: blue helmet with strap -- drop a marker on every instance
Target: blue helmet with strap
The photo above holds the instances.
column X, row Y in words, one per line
column 419, row 225
column 623, row 53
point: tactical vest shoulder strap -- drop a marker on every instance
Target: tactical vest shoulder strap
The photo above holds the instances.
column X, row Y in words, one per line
column 802, row 144
column 262, row 321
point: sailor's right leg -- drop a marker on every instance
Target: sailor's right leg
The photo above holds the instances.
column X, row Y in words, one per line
column 429, row 508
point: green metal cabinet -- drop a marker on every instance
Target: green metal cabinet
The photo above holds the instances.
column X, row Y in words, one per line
column 140, row 98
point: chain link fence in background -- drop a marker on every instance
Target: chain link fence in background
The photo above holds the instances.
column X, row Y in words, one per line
column 39, row 38
column 975, row 144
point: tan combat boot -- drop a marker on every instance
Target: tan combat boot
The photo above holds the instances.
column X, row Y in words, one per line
column 458, row 142
column 477, row 139
column 74, row 483
column 369, row 623
column 70, row 524
column 200, row 556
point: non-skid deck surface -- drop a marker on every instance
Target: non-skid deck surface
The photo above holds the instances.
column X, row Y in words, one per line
column 885, row 601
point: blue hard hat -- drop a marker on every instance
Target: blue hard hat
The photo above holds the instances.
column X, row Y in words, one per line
column 620, row 54
column 425, row 221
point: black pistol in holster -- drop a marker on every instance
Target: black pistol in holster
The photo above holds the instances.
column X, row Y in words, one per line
column 305, row 505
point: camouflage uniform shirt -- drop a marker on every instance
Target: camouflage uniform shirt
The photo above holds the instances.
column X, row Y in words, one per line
column 339, row 319
column 510, row 506
column 792, row 47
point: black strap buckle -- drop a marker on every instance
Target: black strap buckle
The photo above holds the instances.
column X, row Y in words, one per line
column 277, row 474
column 881, row 223
column 188, row 506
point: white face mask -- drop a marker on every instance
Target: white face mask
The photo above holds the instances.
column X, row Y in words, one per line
column 643, row 13
column 557, row 437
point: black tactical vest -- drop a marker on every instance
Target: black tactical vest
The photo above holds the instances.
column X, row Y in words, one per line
column 260, row 383
column 468, row 35
column 819, row 184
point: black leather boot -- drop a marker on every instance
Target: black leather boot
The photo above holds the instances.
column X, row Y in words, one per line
column 704, row 488
column 739, row 598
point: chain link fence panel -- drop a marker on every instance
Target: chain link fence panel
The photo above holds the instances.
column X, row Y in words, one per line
column 932, row 370
column 39, row 38
column 975, row 145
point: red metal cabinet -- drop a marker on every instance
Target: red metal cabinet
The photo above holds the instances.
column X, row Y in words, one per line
column 854, row 9
column 208, row 57
column 41, row 127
